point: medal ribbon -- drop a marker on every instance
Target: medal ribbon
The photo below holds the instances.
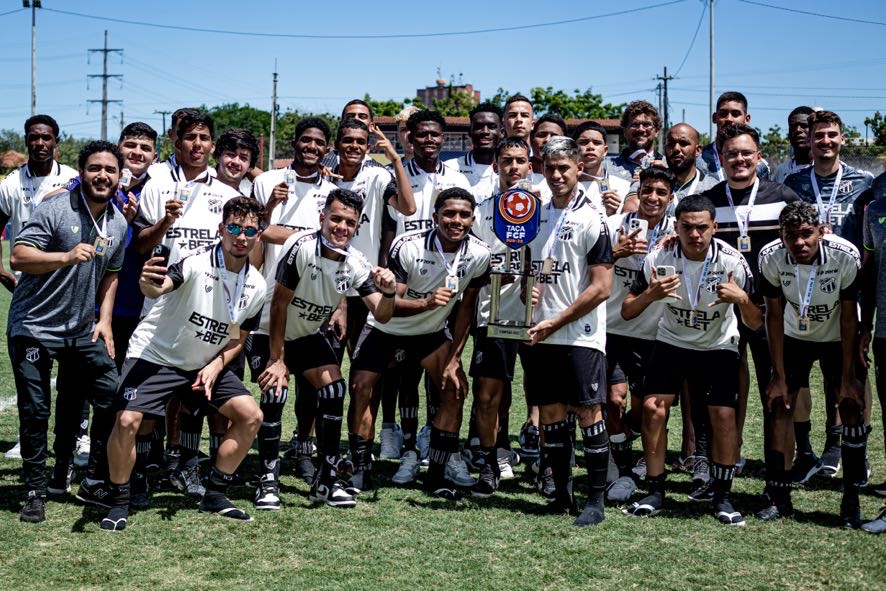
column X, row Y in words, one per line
column 804, row 300
column 238, row 288
column 103, row 232
column 743, row 223
column 694, row 294
column 825, row 211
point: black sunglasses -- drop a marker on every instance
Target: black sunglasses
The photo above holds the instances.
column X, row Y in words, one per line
column 235, row 229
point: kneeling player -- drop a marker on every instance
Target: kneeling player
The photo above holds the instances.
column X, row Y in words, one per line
column 817, row 275
column 697, row 342
column 315, row 273
column 183, row 347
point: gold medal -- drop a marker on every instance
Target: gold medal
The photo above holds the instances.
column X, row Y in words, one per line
column 101, row 246
column 744, row 243
column 803, row 323
column 452, row 283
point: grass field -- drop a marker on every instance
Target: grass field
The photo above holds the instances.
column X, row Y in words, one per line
column 400, row 539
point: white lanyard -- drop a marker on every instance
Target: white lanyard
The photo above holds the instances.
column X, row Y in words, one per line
column 548, row 249
column 31, row 193
column 694, row 294
column 638, row 152
column 103, row 233
column 238, row 288
column 195, row 186
column 451, row 270
column 805, row 300
column 334, row 249
column 717, row 162
column 825, row 211
column 743, row 222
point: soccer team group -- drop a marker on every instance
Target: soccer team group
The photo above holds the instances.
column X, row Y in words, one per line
column 155, row 286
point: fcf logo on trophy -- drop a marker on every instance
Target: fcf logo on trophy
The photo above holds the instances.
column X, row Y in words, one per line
column 515, row 220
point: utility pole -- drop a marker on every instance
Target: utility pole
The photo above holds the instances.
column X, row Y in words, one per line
column 104, row 76
column 122, row 125
column 33, row 5
column 272, row 142
column 711, row 85
column 658, row 90
column 664, row 101
column 160, row 139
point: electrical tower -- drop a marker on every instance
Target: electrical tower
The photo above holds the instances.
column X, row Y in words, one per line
column 664, row 99
column 104, row 76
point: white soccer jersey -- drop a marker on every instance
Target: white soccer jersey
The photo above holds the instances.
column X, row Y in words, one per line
column 715, row 327
column 425, row 188
column 482, row 177
column 169, row 165
column 319, row 283
column 417, row 262
column 616, row 183
column 374, row 184
column 576, row 238
column 836, row 279
column 187, row 327
column 21, row 193
column 625, row 271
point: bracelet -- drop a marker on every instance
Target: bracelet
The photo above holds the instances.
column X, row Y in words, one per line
column 388, row 295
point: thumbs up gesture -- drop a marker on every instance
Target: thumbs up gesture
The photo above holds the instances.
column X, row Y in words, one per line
column 729, row 293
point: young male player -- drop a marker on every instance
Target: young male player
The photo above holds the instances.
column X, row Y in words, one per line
column 607, row 189
column 798, row 137
column 485, row 131
column 732, row 109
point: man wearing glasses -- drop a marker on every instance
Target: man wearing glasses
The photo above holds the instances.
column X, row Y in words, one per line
column 641, row 123
column 206, row 306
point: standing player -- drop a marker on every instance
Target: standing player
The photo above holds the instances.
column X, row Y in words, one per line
column 544, row 128
column 476, row 165
column 798, row 136
column 518, row 118
column 641, row 123
column 68, row 256
column 236, row 153
column 682, row 152
column 607, row 190
column 161, row 169
column 433, row 269
column 318, row 269
column 732, row 109
column 816, row 276
column 701, row 281
column 574, row 258
column 206, row 304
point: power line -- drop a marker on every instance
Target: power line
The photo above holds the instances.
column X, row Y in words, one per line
column 818, row 14
column 104, row 76
column 353, row 36
column 704, row 9
column 11, row 11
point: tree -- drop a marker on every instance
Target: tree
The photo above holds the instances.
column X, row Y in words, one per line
column 775, row 145
column 458, row 104
column 69, row 149
column 877, row 124
column 286, row 123
column 581, row 104
column 226, row 116
column 11, row 139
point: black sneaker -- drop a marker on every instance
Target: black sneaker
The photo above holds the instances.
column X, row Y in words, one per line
column 487, row 483
column 116, row 519
column 138, row 492
column 34, row 510
column 544, row 483
column 805, row 467
column 96, row 494
column 333, row 495
column 646, row 507
column 216, row 502
column 360, row 481
column 776, row 512
column 529, row 441
column 60, row 482
column 267, row 493
column 186, row 479
column 702, row 494
column 726, row 513
column 559, row 506
column 830, row 461
column 850, row 515
column 443, row 489
column 590, row 515
column 304, row 467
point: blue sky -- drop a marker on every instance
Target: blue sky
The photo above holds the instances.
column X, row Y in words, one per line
column 777, row 58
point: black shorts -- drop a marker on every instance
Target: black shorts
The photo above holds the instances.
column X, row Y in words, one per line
column 299, row 355
column 800, row 356
column 711, row 375
column 563, row 374
column 376, row 350
column 146, row 387
column 493, row 358
column 626, row 358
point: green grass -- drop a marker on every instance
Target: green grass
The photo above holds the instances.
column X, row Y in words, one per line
column 401, row 539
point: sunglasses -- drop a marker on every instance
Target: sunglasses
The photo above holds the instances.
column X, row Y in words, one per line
column 235, row 229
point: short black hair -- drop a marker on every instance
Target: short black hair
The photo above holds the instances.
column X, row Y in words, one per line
column 454, row 193
column 95, row 147
column 801, row 110
column 548, row 118
column 661, row 174
column 516, row 98
column 41, row 120
column 357, row 102
column 510, row 142
column 733, row 130
column 192, row 118
column 797, row 213
column 235, row 138
column 486, row 107
column 346, row 197
column 242, row 206
column 424, row 117
column 590, row 126
column 694, row 204
column 138, row 129
column 312, row 123
column 733, row 96
column 351, row 123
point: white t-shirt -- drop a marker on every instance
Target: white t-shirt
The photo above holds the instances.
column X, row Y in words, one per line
column 836, row 279
column 417, row 262
column 616, row 183
column 187, row 327
column 425, row 188
column 21, row 193
column 374, row 184
column 482, row 177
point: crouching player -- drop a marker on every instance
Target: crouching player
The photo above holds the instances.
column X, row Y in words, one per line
column 184, row 346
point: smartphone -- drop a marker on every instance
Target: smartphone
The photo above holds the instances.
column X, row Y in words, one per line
column 161, row 250
column 665, row 270
column 642, row 225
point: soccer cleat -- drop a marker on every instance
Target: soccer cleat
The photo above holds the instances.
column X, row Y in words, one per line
column 333, row 495
column 391, row 442
column 60, row 482
column 590, row 515
column 621, row 490
column 529, row 441
column 95, row 493
column 507, row 459
column 805, row 467
column 408, row 470
column 361, row 481
column 486, row 485
column 457, row 471
column 187, row 480
column 138, row 491
column 304, row 467
column 423, row 442
column 701, row 471
column 645, row 507
column 640, row 469
column 267, row 493
column 830, row 461
column 15, row 452
column 218, row 503
column 81, row 451
column 776, row 512
column 878, row 525
column 850, row 515
column 726, row 513
column 702, row 494
column 34, row 510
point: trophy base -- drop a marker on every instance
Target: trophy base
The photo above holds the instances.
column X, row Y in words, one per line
column 508, row 331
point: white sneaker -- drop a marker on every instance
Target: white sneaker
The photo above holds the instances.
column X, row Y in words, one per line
column 81, row 451
column 457, row 471
column 507, row 458
column 391, row 442
column 408, row 470
column 15, row 453
column 423, row 442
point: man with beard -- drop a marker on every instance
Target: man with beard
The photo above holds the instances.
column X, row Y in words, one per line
column 640, row 122
column 732, row 109
column 682, row 150
column 68, row 254
column 476, row 165
column 798, row 136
